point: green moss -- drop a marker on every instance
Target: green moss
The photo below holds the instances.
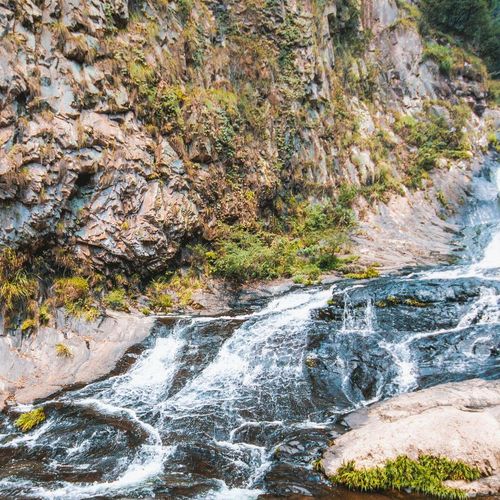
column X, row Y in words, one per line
column 29, row 420
column 63, row 351
column 116, row 299
column 426, row 475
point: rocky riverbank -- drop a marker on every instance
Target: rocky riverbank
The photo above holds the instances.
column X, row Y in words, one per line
column 71, row 352
column 460, row 421
column 32, row 368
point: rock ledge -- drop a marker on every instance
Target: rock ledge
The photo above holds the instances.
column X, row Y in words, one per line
column 460, row 421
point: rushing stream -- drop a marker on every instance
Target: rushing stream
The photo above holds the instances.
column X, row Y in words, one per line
column 238, row 407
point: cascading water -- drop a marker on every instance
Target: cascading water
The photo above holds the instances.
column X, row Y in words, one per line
column 236, row 407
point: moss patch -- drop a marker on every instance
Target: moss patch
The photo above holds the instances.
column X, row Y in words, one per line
column 425, row 475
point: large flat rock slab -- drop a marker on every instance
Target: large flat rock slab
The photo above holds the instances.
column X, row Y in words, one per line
column 460, row 421
column 30, row 367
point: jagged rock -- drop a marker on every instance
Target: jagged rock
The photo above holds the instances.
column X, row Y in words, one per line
column 78, row 154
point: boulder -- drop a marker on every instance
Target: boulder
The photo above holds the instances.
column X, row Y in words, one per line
column 460, row 421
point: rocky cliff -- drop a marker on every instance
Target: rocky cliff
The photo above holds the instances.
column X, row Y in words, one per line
column 128, row 129
column 135, row 136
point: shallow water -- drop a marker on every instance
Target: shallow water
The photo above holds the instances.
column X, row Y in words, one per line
column 238, row 407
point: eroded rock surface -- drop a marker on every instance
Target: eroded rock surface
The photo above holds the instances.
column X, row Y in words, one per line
column 30, row 367
column 87, row 166
column 460, row 421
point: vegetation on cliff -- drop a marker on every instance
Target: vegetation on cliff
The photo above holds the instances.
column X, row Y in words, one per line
column 235, row 140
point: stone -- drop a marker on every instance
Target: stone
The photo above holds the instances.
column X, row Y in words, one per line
column 31, row 369
column 460, row 421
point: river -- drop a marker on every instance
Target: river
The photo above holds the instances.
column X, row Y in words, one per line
column 238, row 407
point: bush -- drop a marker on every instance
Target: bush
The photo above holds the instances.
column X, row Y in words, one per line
column 31, row 419
column 116, row 299
column 159, row 298
column 475, row 22
column 309, row 246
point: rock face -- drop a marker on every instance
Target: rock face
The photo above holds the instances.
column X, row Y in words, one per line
column 31, row 368
column 130, row 128
column 460, row 421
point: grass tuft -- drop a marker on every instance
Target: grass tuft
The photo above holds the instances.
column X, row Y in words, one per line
column 116, row 299
column 29, row 420
column 63, row 351
column 425, row 475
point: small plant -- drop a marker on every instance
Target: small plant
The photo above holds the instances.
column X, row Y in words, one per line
column 116, row 299
column 160, row 299
column 44, row 315
column 425, row 475
column 442, row 55
column 71, row 289
column 413, row 302
column 368, row 273
column 442, row 199
column 31, row 419
column 74, row 294
column 17, row 288
column 28, row 325
column 63, row 351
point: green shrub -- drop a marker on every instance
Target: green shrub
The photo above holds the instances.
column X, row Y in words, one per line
column 160, row 299
column 473, row 22
column 31, row 419
column 426, row 475
column 116, row 299
column 442, row 55
column 243, row 255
